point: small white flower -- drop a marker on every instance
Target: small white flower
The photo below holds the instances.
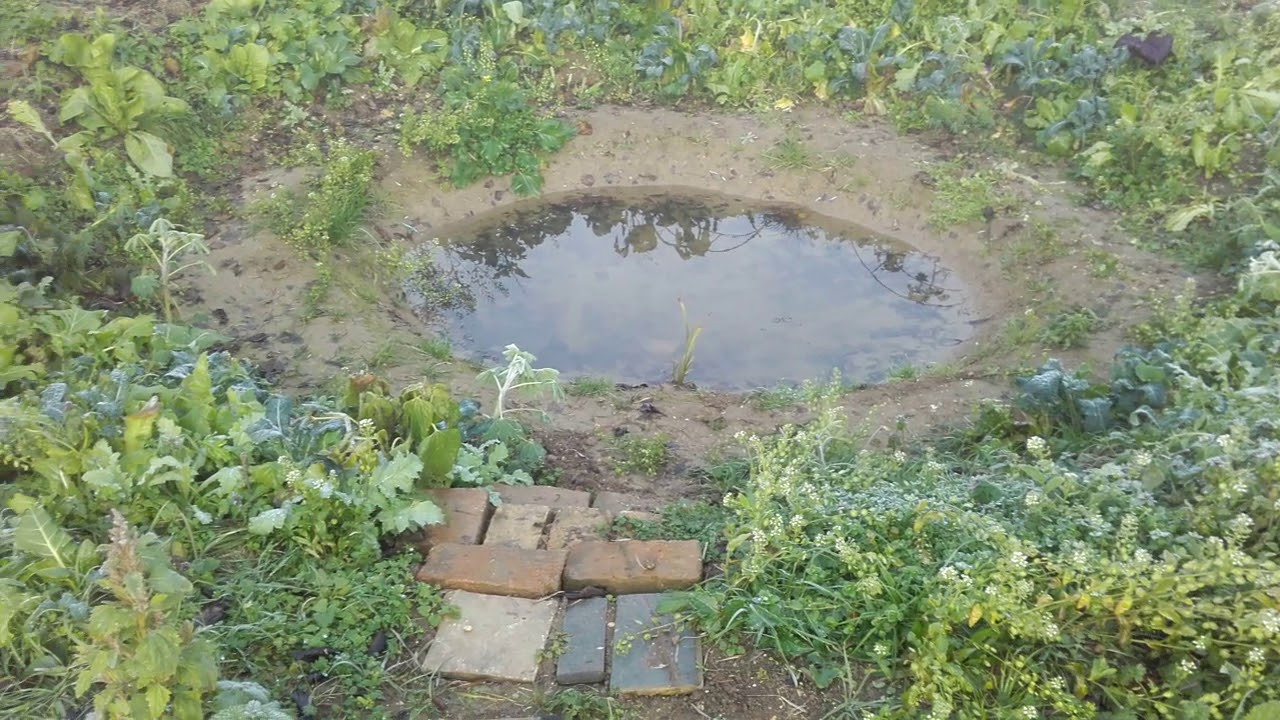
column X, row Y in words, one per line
column 1018, row 559
column 1029, row 712
column 1187, row 665
column 201, row 516
column 899, row 456
column 948, row 572
column 1226, row 442
column 1036, row 445
column 1141, row 459
column 880, row 650
column 1256, row 656
column 1241, row 524
column 1032, row 499
column 1199, row 645
column 1269, row 619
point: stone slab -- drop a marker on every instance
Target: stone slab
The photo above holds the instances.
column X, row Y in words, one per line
column 517, row 526
column 618, row 502
column 494, row 569
column 492, row 638
column 542, row 495
column 584, row 627
column 634, row 566
column 641, row 515
column 667, row 662
column 466, row 514
column 573, row 525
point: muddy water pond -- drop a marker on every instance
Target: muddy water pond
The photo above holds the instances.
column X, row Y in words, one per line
column 594, row 285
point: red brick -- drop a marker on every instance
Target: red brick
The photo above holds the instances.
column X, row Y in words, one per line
column 542, row 495
column 617, row 502
column 517, row 525
column 494, row 569
column 634, row 566
column 466, row 514
column 574, row 525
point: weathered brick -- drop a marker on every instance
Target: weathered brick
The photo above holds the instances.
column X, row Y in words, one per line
column 573, row 525
column 466, row 513
column 617, row 502
column 494, row 569
column 517, row 525
column 634, row 566
column 651, row 654
column 584, row 628
column 542, row 495
column 492, row 638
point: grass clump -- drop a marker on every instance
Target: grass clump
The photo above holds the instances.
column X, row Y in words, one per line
column 962, row 195
column 639, row 454
column 333, row 208
column 589, row 386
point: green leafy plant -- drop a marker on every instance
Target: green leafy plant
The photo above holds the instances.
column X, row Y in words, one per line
column 520, row 377
column 487, row 126
column 645, row 455
column 1070, row 328
column 409, row 50
column 334, row 207
column 166, row 248
column 140, row 660
column 118, row 101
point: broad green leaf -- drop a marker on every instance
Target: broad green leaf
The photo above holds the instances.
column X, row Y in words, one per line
column 140, row 425
column 157, row 699
column 22, row 111
column 514, row 11
column 195, row 399
column 268, row 520
column 1265, row 711
column 110, row 620
column 79, row 101
column 157, row 655
column 150, row 153
column 397, row 475
column 38, row 534
column 411, row 517
column 439, row 452
column 144, row 285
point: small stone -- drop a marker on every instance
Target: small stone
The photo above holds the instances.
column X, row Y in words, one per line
column 634, row 566
column 573, row 525
column 494, row 569
column 584, row 627
column 520, row 628
column 517, row 526
column 618, row 502
column 542, row 495
column 651, row 654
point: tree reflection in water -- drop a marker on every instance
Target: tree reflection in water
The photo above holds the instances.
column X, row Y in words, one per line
column 482, row 262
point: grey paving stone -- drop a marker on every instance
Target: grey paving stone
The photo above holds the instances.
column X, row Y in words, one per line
column 668, row 662
column 492, row 638
column 584, row 627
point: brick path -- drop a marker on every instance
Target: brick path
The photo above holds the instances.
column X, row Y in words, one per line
column 504, row 568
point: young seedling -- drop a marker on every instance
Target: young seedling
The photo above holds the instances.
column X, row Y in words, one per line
column 520, row 375
column 166, row 246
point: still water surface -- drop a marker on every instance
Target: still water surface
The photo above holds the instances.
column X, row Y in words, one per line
column 593, row 285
